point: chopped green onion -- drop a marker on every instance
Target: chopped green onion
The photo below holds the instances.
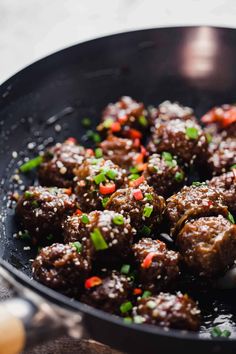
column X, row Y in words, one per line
column 149, row 196
column 128, row 320
column 125, row 269
column 217, row 332
column 226, row 333
column 231, row 218
column 126, row 306
column 31, row 164
column 133, row 169
column 192, row 133
column 151, row 304
column 104, row 202
column 147, row 211
column 24, row 235
column 98, row 153
column 167, row 156
column 86, row 122
column 108, row 123
column 134, row 176
column 99, row 178
column 85, row 219
column 146, row 294
column 139, row 319
column 118, row 220
column 98, row 240
column 95, row 137
column 111, row 174
column 145, row 231
column 35, row 204
column 179, row 176
column 143, row 121
column 209, row 138
column 28, row 194
column 198, row 184
column 49, row 237
column 77, row 245
column 233, row 167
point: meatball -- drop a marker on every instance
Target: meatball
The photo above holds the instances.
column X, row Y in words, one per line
column 208, row 245
column 96, row 179
column 164, row 174
column 59, row 163
column 61, row 267
column 107, row 292
column 226, row 183
column 170, row 110
column 41, row 210
column 124, row 118
column 185, row 139
column 158, row 267
column 167, row 310
column 106, row 231
column 194, row 201
column 125, row 153
column 222, row 155
column 141, row 203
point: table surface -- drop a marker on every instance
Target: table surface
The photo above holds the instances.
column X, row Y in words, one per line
column 29, row 30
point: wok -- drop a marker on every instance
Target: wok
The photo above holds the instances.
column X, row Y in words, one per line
column 45, row 103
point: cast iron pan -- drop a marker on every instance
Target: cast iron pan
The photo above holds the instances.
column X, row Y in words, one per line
column 193, row 65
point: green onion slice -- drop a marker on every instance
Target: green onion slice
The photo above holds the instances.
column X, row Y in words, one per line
column 126, row 306
column 125, row 269
column 179, row 176
column 111, row 174
column 192, row 133
column 231, row 218
column 85, row 219
column 98, row 240
column 98, row 153
column 147, row 211
column 31, row 164
column 99, row 178
column 77, row 245
column 118, row 220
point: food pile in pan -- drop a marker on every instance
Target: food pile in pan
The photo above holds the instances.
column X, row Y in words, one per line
column 120, row 225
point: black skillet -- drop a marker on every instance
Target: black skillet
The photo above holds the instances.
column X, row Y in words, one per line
column 193, row 65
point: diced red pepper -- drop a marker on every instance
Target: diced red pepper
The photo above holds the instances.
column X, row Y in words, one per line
column 135, row 134
column 78, row 212
column 139, row 159
column 148, row 260
column 138, row 195
column 90, row 152
column 137, row 291
column 91, row 282
column 115, row 127
column 221, row 115
column 107, row 189
column 68, row 191
column 71, row 140
column 143, row 151
column 137, row 181
column 136, row 142
column 123, row 119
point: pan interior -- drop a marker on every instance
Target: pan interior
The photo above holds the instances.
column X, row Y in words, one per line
column 45, row 103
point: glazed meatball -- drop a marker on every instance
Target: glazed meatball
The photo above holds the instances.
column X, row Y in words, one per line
column 100, row 231
column 158, row 267
column 170, row 110
column 41, row 210
column 164, row 174
column 167, row 310
column 141, row 203
column 222, row 155
column 61, row 267
column 208, row 245
column 194, row 201
column 59, row 163
column 125, row 153
column 124, row 118
column 96, row 179
column 107, row 292
column 185, row 139
column 226, row 183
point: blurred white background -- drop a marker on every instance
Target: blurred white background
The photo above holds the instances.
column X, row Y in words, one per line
column 31, row 29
